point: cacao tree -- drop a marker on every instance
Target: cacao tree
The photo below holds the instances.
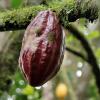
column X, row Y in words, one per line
column 68, row 12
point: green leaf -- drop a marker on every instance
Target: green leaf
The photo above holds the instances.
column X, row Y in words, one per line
column 94, row 34
column 16, row 3
column 28, row 90
column 69, row 39
column 98, row 53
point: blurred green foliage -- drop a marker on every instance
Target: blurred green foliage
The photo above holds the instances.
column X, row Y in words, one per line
column 21, row 90
column 16, row 3
column 9, row 60
column 93, row 35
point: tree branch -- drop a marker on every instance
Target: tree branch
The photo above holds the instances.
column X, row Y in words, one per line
column 76, row 53
column 20, row 18
column 90, row 55
column 86, row 9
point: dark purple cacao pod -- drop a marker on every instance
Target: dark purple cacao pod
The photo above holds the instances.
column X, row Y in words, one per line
column 42, row 48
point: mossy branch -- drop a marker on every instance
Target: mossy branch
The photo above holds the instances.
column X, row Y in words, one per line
column 20, row 18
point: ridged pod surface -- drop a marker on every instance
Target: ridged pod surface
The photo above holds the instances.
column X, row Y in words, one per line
column 42, row 48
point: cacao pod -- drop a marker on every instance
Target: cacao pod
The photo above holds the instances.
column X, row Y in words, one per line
column 42, row 48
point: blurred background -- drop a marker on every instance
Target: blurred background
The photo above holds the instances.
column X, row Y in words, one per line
column 74, row 81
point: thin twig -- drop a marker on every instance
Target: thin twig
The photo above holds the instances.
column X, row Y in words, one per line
column 76, row 53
